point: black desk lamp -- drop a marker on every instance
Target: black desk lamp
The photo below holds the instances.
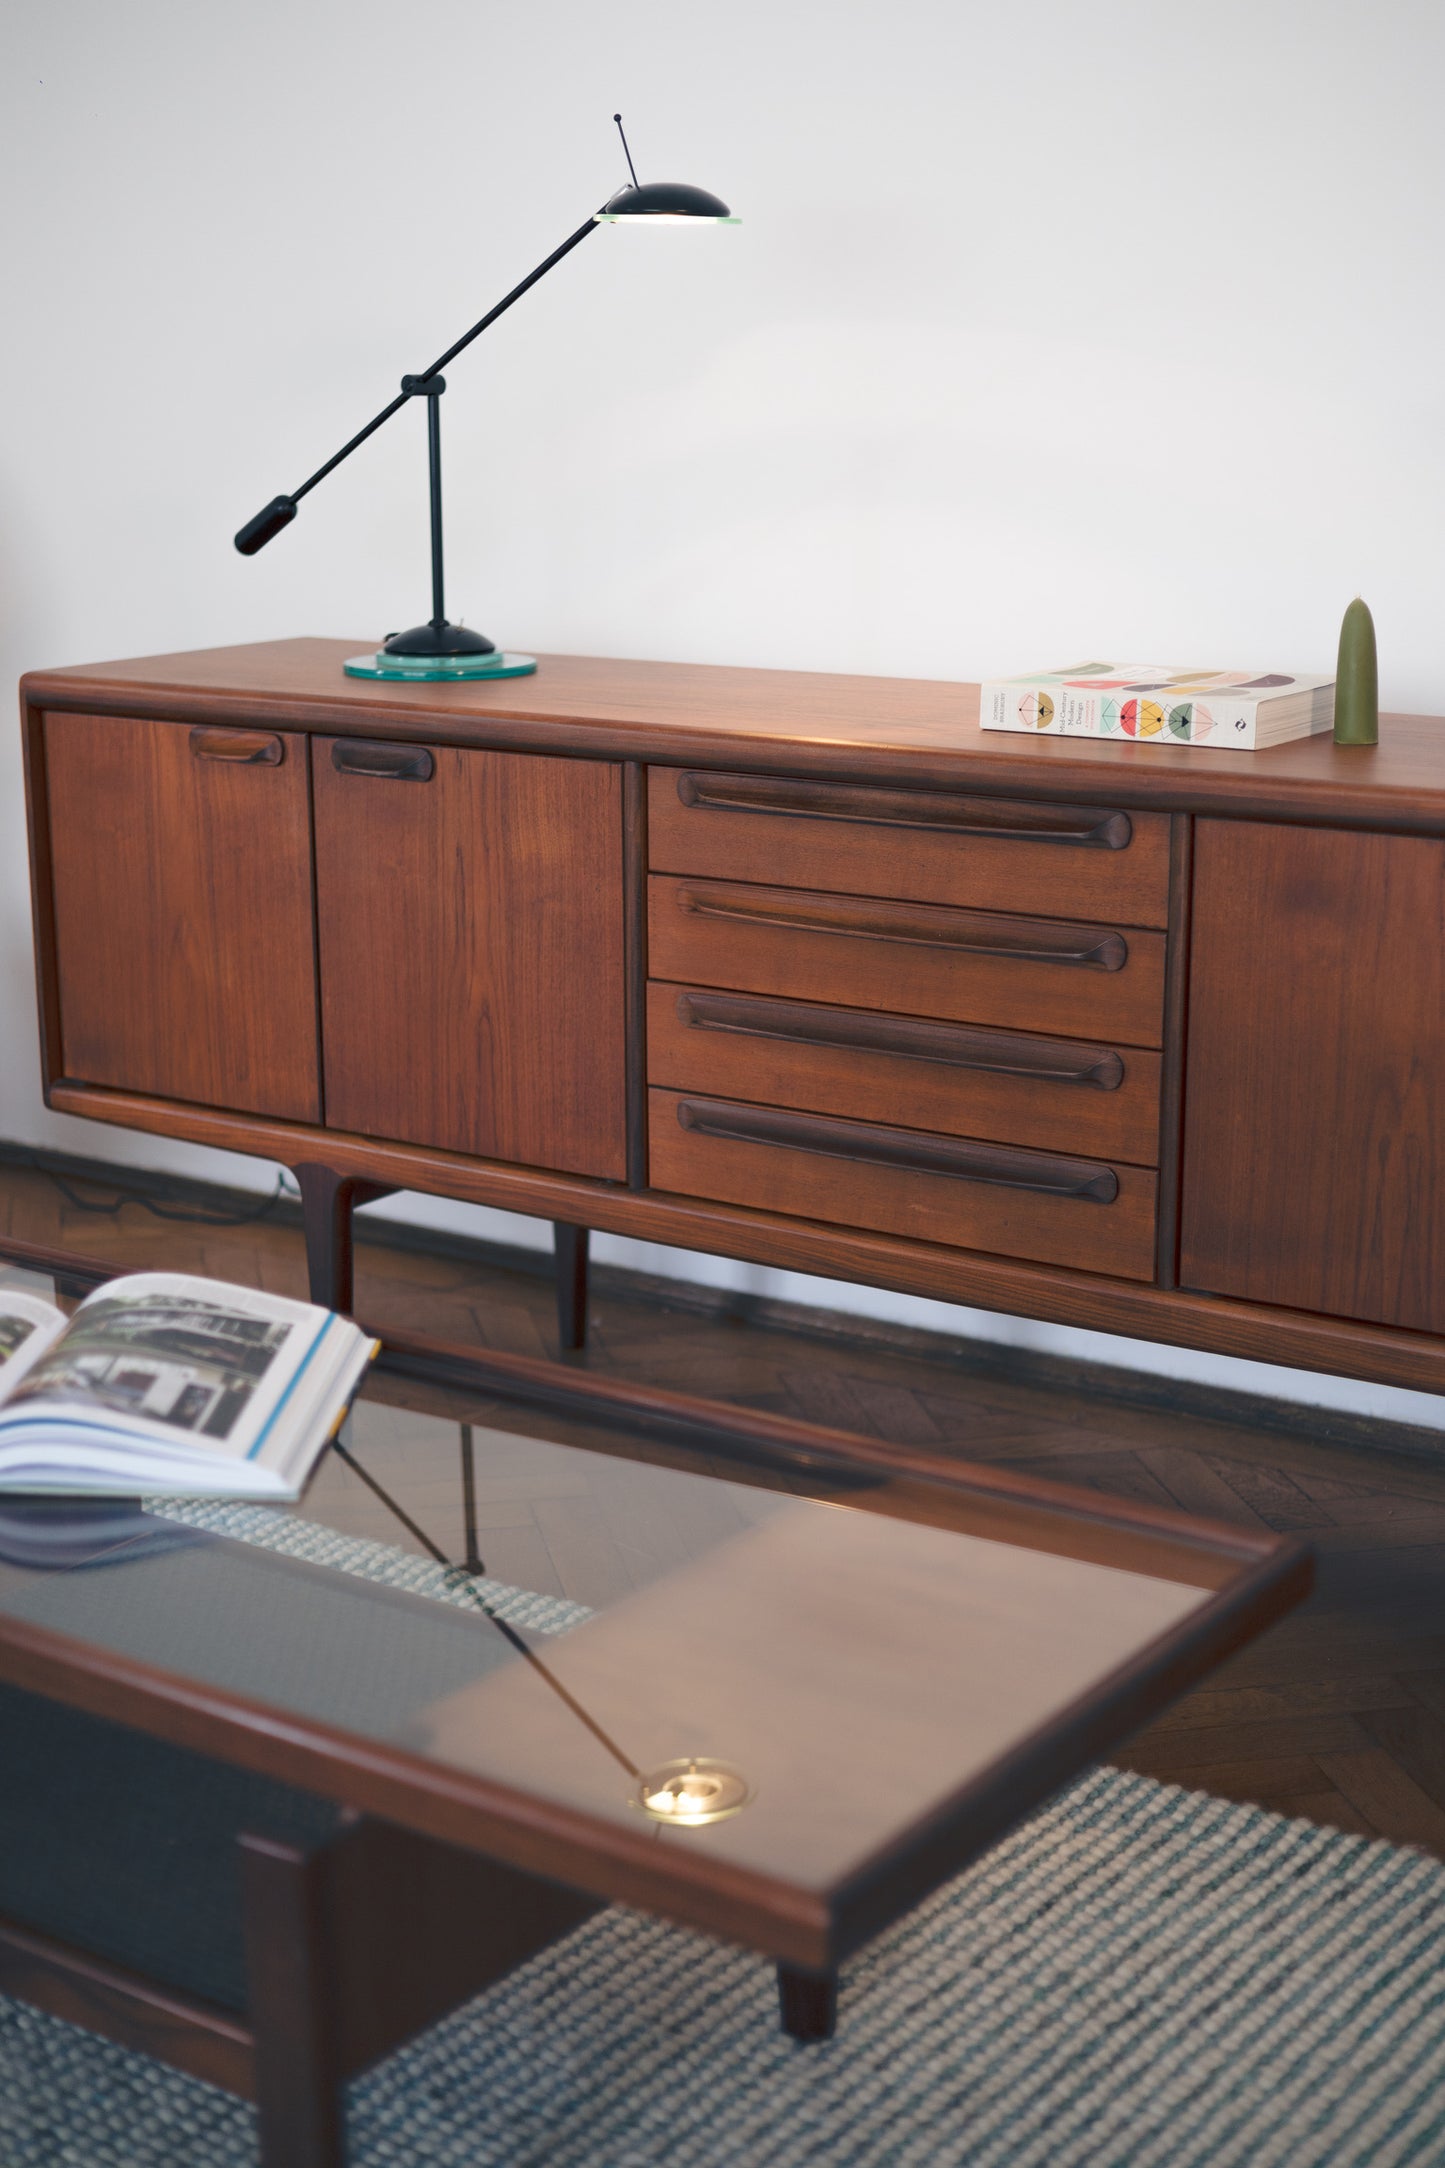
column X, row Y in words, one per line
column 440, row 649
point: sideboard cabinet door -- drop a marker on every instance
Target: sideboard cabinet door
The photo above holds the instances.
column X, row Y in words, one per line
column 1314, row 1156
column 469, row 908
column 184, row 943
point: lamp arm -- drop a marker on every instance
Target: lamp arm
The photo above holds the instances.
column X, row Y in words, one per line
column 515, row 295
column 281, row 511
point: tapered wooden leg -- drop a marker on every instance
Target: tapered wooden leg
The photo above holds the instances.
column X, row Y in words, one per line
column 291, row 2001
column 327, row 1202
column 569, row 1247
column 357, row 1944
column 807, row 2003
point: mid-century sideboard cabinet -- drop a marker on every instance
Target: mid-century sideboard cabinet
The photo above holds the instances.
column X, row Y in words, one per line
column 802, row 969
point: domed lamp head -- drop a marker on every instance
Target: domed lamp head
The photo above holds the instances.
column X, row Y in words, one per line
column 661, row 203
column 666, row 203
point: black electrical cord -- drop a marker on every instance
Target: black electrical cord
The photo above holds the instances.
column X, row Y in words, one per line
column 186, row 1215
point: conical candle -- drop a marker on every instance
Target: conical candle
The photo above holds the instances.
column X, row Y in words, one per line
column 1357, row 680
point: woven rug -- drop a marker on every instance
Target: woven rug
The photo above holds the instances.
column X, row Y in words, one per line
column 272, row 1530
column 1137, row 1975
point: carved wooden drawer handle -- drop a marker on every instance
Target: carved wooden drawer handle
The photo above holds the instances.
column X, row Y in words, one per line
column 244, row 748
column 911, row 1150
column 1008, row 818
column 975, row 933
column 962, row 1046
column 368, row 756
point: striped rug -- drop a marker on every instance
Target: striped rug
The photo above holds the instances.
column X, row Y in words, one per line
column 1138, row 1975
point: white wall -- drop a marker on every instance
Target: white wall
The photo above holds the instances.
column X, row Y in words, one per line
column 1050, row 326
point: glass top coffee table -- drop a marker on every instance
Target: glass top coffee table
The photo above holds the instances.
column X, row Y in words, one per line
column 767, row 1681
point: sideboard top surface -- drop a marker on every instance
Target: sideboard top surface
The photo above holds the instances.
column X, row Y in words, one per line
column 910, row 730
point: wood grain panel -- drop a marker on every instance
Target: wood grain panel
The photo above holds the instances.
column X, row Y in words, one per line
column 634, row 894
column 1026, row 974
column 471, row 937
column 1176, row 1010
column 1059, row 1094
column 183, row 922
column 818, row 1182
column 42, row 895
column 986, row 853
column 1314, row 1162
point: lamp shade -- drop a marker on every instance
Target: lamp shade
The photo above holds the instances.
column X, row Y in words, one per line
column 665, row 202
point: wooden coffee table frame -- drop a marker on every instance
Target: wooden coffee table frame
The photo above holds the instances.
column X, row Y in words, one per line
column 442, row 1880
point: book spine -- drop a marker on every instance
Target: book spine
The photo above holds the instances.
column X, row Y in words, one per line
column 1017, row 704
column 1081, row 714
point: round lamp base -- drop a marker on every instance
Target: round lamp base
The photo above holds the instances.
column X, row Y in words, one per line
column 440, row 637
column 423, row 669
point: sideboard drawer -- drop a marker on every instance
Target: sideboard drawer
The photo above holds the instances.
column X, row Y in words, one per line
column 925, row 846
column 1062, row 1095
column 1044, row 1206
column 1027, row 974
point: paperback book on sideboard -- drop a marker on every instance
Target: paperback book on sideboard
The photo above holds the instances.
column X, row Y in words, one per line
column 1158, row 704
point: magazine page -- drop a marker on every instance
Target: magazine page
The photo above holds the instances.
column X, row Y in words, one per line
column 28, row 1326
column 196, row 1365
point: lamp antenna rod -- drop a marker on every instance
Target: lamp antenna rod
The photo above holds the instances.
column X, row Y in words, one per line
column 625, row 151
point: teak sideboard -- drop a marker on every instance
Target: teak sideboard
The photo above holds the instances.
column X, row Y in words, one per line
column 803, row 969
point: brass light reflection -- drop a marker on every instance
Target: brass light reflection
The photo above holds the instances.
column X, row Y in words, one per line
column 686, row 1793
column 691, row 1792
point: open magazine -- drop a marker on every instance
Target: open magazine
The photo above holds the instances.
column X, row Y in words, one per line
column 161, row 1383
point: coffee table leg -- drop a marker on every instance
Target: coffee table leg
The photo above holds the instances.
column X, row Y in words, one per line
column 291, row 2005
column 808, row 2003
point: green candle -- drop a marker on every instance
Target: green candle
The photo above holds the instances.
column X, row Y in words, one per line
column 1357, row 680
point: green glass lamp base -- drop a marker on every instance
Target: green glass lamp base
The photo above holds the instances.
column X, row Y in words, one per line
column 431, row 669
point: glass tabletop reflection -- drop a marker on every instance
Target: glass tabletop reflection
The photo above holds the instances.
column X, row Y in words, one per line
column 783, row 1667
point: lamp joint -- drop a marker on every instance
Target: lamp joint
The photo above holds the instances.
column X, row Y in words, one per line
column 423, row 387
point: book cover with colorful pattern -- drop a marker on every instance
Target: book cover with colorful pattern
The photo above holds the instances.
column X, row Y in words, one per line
column 1161, row 704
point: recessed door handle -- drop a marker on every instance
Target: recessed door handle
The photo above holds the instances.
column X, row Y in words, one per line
column 862, row 1031
column 976, row 933
column 1007, row 819
column 912, row 1150
column 242, row 748
column 369, row 756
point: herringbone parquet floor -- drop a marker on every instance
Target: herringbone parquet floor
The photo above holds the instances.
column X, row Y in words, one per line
column 1338, row 1714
